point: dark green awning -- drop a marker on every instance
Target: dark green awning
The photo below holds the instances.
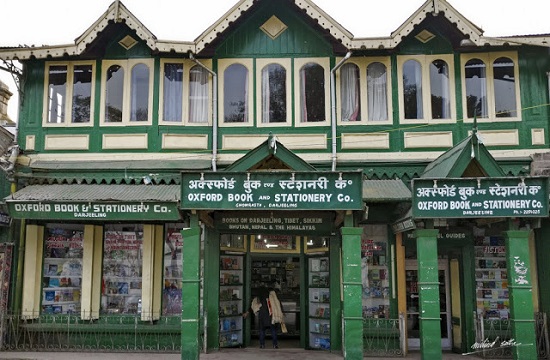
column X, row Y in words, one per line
column 385, row 191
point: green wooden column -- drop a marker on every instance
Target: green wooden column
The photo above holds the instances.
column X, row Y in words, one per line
column 428, row 288
column 190, row 290
column 352, row 304
column 521, row 294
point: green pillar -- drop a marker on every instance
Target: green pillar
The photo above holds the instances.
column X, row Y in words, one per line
column 520, row 294
column 190, row 289
column 352, row 304
column 428, row 288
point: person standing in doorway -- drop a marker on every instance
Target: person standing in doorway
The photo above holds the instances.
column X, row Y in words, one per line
column 267, row 308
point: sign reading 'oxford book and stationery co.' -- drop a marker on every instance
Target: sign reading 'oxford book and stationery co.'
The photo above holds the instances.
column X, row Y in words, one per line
column 480, row 197
column 272, row 191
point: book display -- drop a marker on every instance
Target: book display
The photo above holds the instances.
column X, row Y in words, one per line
column 62, row 273
column 374, row 271
column 122, row 268
column 491, row 278
column 319, row 303
column 231, row 300
column 374, row 276
column 171, row 294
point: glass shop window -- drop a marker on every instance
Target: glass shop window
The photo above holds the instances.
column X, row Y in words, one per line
column 62, row 273
column 374, row 271
column 122, row 269
column 173, row 246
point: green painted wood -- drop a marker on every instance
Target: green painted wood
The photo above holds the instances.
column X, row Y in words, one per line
column 428, row 288
column 190, row 315
column 353, row 288
column 298, row 39
column 520, row 289
column 335, row 295
column 211, row 287
column 543, row 270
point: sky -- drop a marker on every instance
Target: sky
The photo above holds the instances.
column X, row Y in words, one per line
column 56, row 22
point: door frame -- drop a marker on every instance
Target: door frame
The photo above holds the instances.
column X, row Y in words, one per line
column 446, row 343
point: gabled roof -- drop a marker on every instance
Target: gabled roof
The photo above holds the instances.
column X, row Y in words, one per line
column 117, row 12
column 270, row 155
column 468, row 158
column 240, row 9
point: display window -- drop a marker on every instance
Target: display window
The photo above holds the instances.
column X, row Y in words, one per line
column 233, row 242
column 122, row 269
column 275, row 243
column 173, row 246
column 316, row 244
column 491, row 278
column 62, row 272
column 374, row 272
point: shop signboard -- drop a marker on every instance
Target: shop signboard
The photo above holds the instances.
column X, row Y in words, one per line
column 480, row 197
column 274, row 223
column 272, row 191
column 103, row 211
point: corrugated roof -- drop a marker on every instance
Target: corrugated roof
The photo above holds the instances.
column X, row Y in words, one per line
column 166, row 193
column 385, row 191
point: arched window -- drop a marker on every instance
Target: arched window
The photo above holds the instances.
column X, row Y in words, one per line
column 198, row 95
column 312, row 93
column 114, row 93
column 172, row 92
column 412, row 87
column 476, row 88
column 440, row 90
column 377, row 91
column 139, row 95
column 351, row 92
column 274, row 94
column 235, row 94
column 505, row 87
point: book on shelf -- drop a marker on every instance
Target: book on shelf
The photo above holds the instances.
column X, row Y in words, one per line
column 315, row 265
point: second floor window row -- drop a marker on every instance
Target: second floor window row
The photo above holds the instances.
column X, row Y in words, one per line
column 426, row 88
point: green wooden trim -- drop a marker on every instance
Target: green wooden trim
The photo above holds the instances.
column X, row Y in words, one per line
column 335, row 295
column 190, row 318
column 211, row 287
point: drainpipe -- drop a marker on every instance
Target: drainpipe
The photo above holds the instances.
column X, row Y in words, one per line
column 214, row 111
column 333, row 106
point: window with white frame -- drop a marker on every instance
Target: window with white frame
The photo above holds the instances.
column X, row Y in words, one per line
column 127, row 92
column 363, row 91
column 69, row 94
column 312, row 93
column 185, row 93
column 491, row 86
column 273, row 95
column 236, row 90
column 425, row 88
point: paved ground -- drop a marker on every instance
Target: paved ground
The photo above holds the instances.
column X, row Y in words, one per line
column 226, row 354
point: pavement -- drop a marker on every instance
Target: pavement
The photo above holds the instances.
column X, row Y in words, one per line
column 225, row 354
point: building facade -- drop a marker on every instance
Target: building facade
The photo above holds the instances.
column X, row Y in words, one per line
column 158, row 185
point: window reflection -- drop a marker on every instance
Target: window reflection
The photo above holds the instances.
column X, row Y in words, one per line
column 476, row 88
column 505, row 87
column 82, row 93
column 236, row 94
column 312, row 93
column 57, row 94
column 139, row 97
column 273, row 94
column 440, row 87
column 172, row 92
column 114, row 93
column 412, row 86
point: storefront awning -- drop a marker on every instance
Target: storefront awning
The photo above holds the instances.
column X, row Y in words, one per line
column 95, row 202
column 385, row 191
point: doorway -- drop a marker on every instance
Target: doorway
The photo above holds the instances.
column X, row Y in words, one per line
column 282, row 273
column 413, row 308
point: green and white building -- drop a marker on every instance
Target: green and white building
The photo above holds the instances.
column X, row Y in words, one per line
column 393, row 189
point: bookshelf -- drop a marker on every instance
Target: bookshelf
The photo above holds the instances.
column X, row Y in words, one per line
column 319, row 303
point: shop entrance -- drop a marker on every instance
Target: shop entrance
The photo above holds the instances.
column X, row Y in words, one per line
column 413, row 309
column 281, row 273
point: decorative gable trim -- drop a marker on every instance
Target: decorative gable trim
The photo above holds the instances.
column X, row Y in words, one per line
column 322, row 18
